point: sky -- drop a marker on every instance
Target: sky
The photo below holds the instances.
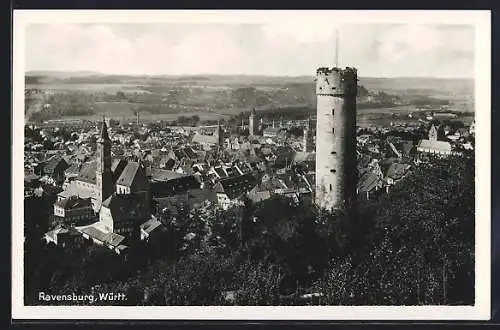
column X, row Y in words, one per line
column 279, row 49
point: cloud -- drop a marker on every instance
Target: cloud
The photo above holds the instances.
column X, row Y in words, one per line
column 305, row 31
column 280, row 48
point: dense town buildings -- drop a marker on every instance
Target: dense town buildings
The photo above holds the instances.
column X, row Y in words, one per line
column 114, row 183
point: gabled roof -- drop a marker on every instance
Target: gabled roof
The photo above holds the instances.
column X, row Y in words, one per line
column 30, row 177
column 169, row 164
column 74, row 202
column 271, row 131
column 369, row 181
column 73, row 169
column 231, row 170
column 179, row 153
column 117, row 167
column 111, row 239
column 61, row 231
column 258, row 196
column 158, row 174
column 236, row 186
column 272, row 184
column 407, row 147
column 197, row 196
column 174, row 186
column 191, row 199
column 311, row 178
column 396, row 170
column 134, row 172
column 190, row 153
column 150, row 225
column 290, row 180
column 87, row 172
column 439, row 146
column 172, row 203
column 54, row 162
column 220, row 171
column 205, row 139
column 128, row 206
column 73, row 189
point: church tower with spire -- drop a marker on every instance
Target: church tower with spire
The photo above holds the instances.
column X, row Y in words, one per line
column 251, row 122
column 308, row 139
column 220, row 135
column 104, row 180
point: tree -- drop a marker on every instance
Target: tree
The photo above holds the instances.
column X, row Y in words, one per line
column 258, row 284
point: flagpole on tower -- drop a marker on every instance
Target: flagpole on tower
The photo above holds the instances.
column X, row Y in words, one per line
column 336, row 48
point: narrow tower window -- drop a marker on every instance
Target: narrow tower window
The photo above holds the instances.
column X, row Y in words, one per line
column 333, row 171
column 330, row 187
column 333, row 112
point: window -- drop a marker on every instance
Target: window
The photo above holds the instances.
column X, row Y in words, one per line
column 333, row 171
column 330, row 187
column 333, row 153
column 333, row 112
column 333, row 131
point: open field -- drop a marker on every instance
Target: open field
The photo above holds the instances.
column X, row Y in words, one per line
column 89, row 87
column 216, row 97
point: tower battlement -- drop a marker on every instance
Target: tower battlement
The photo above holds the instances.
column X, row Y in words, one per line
column 336, row 81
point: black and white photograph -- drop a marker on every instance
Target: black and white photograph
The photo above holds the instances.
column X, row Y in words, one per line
column 251, row 164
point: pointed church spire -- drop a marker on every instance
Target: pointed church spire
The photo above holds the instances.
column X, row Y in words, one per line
column 104, row 131
column 104, row 179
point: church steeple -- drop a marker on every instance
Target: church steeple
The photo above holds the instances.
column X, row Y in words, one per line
column 433, row 133
column 104, row 132
column 251, row 122
column 220, row 134
column 307, row 137
column 104, row 179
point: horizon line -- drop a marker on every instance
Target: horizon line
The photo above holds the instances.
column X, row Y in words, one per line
column 91, row 73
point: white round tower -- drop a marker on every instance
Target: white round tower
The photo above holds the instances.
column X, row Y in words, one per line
column 336, row 171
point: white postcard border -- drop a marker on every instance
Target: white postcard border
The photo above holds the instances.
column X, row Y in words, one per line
column 480, row 311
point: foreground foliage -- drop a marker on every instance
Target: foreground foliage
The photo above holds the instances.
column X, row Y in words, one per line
column 412, row 246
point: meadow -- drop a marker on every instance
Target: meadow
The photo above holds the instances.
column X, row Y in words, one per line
column 218, row 97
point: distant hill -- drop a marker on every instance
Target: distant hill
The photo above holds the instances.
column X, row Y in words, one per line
column 161, row 94
column 63, row 74
column 397, row 83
